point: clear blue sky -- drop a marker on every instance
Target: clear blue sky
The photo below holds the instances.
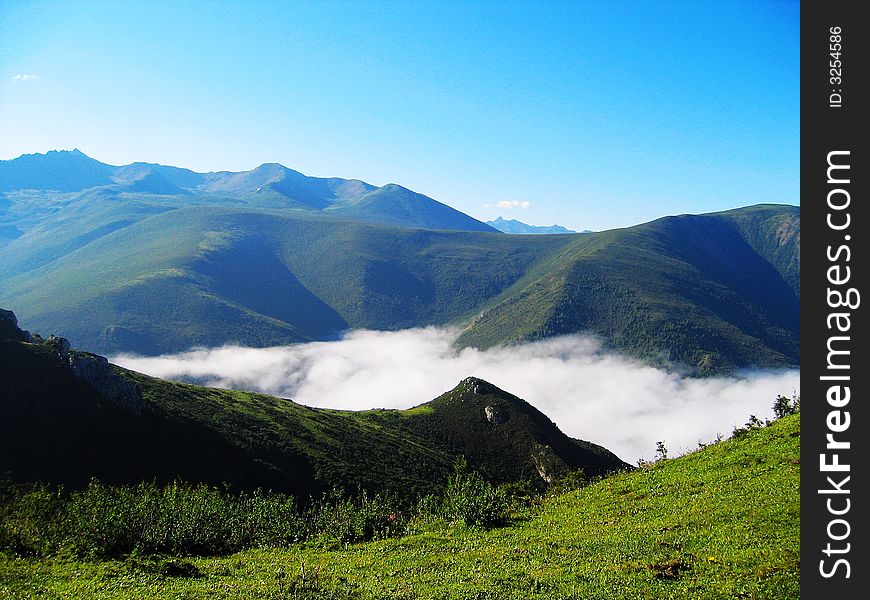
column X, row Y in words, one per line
column 596, row 114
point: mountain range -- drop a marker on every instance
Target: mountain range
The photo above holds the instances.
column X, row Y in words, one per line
column 514, row 226
column 268, row 186
column 151, row 259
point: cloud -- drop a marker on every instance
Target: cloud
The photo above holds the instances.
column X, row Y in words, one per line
column 590, row 394
column 20, row 77
column 510, row 204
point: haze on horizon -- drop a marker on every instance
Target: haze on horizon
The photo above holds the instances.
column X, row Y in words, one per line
column 591, row 115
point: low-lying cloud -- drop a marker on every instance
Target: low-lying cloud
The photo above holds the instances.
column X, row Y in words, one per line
column 590, row 394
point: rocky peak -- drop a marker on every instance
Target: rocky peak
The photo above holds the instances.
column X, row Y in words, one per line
column 478, row 387
column 9, row 329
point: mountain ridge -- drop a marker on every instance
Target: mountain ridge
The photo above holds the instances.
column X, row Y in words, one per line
column 269, row 185
column 69, row 416
column 272, row 257
column 518, row 227
column 143, row 277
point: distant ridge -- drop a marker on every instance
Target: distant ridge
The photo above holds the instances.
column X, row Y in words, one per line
column 270, row 185
column 514, row 226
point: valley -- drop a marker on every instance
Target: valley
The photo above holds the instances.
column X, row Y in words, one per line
column 121, row 270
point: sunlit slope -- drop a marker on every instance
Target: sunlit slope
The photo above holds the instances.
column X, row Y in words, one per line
column 722, row 523
column 711, row 292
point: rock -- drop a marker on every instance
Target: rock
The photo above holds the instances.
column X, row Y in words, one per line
column 8, row 315
column 97, row 371
column 60, row 346
column 93, row 369
column 9, row 328
column 495, row 415
column 550, row 467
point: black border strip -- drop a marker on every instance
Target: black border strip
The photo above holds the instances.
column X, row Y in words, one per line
column 833, row 120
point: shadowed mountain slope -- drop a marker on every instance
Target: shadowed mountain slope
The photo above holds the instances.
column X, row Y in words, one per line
column 710, row 292
column 69, row 416
column 155, row 259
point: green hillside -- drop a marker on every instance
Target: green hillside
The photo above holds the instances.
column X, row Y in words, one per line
column 270, row 256
column 68, row 416
column 723, row 522
column 713, row 292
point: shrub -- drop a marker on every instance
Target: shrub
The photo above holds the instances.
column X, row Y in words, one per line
column 472, row 500
column 30, row 520
column 784, row 406
column 574, row 480
column 339, row 518
column 104, row 521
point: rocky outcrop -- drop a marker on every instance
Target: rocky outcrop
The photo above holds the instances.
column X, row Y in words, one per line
column 91, row 368
column 9, row 329
column 494, row 415
column 101, row 375
column 549, row 465
column 60, row 346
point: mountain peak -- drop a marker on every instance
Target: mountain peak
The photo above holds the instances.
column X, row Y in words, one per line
column 480, row 387
column 485, row 420
column 514, row 226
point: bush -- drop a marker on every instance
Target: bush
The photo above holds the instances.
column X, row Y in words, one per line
column 574, row 480
column 339, row 518
column 470, row 499
column 29, row 521
column 784, row 406
column 179, row 519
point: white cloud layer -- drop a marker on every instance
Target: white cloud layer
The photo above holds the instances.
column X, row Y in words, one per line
column 21, row 77
column 598, row 396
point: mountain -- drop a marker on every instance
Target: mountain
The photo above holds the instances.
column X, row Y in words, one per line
column 68, row 416
column 133, row 272
column 268, row 186
column 65, row 171
column 514, row 226
column 154, row 259
column 713, row 292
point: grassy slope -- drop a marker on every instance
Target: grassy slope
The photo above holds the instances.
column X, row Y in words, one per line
column 208, row 275
column 55, row 427
column 720, row 523
column 713, row 292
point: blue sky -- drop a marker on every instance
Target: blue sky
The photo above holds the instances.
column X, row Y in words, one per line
column 591, row 115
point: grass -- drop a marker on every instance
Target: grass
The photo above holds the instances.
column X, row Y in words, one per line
column 719, row 523
column 117, row 273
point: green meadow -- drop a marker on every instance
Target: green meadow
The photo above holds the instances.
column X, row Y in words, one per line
column 721, row 522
